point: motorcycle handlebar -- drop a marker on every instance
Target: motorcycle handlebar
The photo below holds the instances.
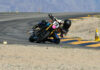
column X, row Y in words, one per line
column 52, row 17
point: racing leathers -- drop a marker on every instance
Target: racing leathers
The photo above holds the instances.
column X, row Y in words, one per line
column 64, row 25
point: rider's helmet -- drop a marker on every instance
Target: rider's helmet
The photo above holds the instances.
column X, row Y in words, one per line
column 67, row 24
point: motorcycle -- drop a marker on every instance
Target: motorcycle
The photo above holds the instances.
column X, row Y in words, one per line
column 41, row 34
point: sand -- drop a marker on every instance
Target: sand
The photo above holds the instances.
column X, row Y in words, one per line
column 33, row 57
column 85, row 28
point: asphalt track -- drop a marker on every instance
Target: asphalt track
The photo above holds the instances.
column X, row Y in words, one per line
column 14, row 27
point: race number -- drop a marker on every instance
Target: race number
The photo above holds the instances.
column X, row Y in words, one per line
column 56, row 24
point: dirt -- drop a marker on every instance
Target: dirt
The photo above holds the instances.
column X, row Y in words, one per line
column 85, row 28
column 33, row 57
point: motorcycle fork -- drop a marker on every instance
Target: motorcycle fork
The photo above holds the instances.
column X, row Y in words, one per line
column 52, row 32
column 49, row 27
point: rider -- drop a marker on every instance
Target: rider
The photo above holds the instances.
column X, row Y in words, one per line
column 64, row 25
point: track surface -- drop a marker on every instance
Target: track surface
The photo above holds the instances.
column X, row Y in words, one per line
column 16, row 31
column 14, row 26
column 34, row 57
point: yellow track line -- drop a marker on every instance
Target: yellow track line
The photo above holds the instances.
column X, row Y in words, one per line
column 94, row 45
column 81, row 42
column 62, row 40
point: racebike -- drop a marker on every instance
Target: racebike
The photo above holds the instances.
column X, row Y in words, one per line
column 41, row 34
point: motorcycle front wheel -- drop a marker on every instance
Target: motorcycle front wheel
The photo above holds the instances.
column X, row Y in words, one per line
column 31, row 39
column 43, row 36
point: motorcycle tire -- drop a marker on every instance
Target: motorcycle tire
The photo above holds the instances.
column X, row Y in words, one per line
column 43, row 36
column 57, row 41
column 31, row 39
